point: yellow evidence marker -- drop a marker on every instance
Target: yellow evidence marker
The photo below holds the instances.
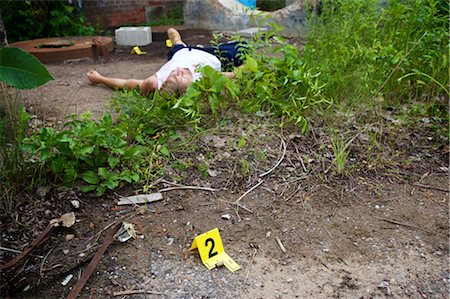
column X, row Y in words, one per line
column 168, row 43
column 211, row 251
column 137, row 51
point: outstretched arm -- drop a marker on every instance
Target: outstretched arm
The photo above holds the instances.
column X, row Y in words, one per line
column 145, row 86
column 232, row 74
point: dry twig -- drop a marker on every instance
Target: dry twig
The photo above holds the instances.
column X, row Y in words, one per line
column 283, row 145
column 248, row 191
column 431, row 187
column 133, row 292
column 188, row 188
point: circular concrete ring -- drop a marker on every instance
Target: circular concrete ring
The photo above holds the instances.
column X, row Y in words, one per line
column 58, row 49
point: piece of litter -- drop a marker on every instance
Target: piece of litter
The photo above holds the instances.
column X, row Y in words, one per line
column 226, row 216
column 137, row 50
column 27, row 288
column 142, row 198
column 212, row 173
column 75, row 204
column 170, row 241
column 66, row 251
column 268, row 234
column 70, row 237
column 67, row 279
column 126, row 232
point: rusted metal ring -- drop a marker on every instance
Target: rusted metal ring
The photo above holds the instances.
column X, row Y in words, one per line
column 58, row 49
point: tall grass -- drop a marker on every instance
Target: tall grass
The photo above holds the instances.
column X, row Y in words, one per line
column 397, row 50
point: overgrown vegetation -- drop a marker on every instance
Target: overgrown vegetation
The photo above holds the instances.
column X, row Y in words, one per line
column 361, row 58
column 26, row 20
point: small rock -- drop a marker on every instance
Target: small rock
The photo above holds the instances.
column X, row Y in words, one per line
column 75, row 204
column 70, row 237
column 289, row 280
column 226, row 216
column 42, row 190
column 66, row 251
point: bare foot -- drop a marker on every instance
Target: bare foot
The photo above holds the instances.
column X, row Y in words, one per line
column 94, row 77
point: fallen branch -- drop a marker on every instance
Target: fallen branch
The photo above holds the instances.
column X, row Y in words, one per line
column 283, row 144
column 248, row 191
column 404, row 224
column 133, row 292
column 36, row 242
column 95, row 260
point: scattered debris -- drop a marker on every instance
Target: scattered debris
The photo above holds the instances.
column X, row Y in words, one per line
column 67, row 279
column 139, row 199
column 67, row 220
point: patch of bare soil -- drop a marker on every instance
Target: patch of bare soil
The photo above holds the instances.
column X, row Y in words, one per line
column 366, row 235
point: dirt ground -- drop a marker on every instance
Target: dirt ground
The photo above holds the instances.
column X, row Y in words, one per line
column 301, row 232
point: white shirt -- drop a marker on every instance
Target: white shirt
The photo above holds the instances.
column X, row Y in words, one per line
column 190, row 59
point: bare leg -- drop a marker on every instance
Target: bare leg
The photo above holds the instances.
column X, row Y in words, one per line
column 145, row 86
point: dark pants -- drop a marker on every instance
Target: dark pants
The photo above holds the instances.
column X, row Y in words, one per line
column 230, row 54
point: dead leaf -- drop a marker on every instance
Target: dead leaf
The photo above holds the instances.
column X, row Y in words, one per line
column 68, row 219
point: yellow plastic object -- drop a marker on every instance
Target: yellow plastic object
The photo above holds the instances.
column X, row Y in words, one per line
column 211, row 251
column 168, row 43
column 137, row 51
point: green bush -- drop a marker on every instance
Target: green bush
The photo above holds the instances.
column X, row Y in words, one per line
column 26, row 20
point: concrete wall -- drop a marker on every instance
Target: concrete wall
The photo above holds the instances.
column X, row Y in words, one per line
column 230, row 15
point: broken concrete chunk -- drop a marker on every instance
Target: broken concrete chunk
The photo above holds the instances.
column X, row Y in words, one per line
column 141, row 198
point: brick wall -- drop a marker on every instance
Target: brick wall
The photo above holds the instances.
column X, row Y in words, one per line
column 116, row 13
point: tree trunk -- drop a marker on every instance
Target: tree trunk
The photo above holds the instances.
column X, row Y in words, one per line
column 3, row 39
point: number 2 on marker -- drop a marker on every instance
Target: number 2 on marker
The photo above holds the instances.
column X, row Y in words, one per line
column 211, row 252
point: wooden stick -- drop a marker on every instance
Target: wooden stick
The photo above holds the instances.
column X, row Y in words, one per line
column 431, row 187
column 251, row 265
column 188, row 188
column 404, row 224
column 283, row 249
column 133, row 292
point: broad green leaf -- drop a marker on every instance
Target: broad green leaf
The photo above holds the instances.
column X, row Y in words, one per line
column 88, row 188
column 90, row 177
column 21, row 69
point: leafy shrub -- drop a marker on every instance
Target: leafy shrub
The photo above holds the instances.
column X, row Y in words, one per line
column 26, row 20
column 97, row 152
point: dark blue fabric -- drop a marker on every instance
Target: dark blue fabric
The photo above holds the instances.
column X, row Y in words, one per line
column 230, row 54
